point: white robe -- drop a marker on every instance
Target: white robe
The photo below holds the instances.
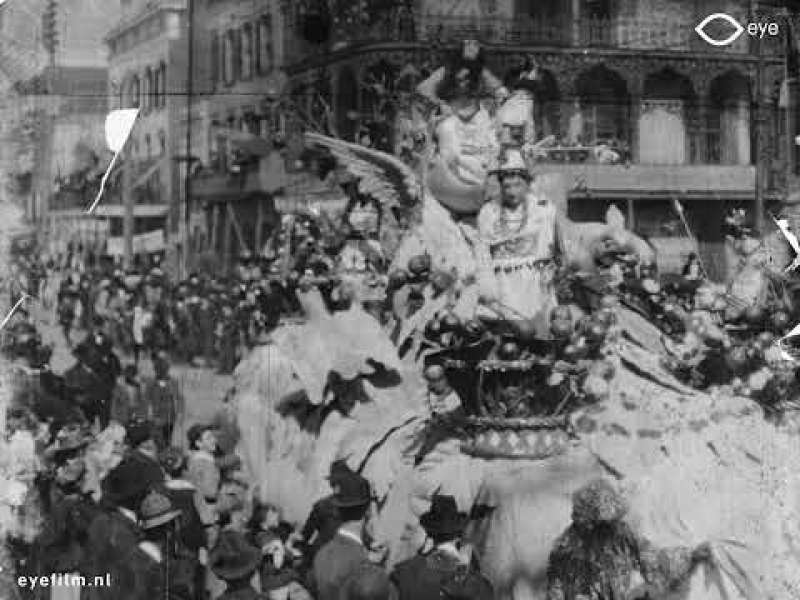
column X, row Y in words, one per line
column 517, row 265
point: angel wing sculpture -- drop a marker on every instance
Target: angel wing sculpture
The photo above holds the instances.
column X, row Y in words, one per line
column 380, row 175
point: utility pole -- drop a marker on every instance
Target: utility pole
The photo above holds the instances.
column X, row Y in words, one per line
column 127, row 218
column 791, row 73
column 187, row 184
column 760, row 154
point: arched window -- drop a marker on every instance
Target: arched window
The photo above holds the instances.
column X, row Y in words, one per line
column 161, row 85
column 149, row 90
column 229, row 57
column 246, row 48
column 162, row 141
column 148, row 146
column 264, row 45
column 134, row 98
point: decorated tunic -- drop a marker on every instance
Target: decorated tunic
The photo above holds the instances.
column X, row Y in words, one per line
column 519, row 246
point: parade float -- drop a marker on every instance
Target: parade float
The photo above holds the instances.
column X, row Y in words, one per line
column 675, row 391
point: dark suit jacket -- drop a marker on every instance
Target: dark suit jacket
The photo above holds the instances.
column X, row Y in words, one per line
column 437, row 575
column 113, row 545
column 334, row 563
column 324, row 519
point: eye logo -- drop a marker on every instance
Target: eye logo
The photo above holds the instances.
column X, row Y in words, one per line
column 700, row 29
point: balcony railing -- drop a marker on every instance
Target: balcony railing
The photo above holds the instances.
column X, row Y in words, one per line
column 615, row 32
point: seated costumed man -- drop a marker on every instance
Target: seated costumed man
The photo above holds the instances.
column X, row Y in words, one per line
column 519, row 245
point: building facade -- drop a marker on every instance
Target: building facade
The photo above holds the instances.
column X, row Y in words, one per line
column 695, row 123
column 55, row 108
column 235, row 119
column 148, row 70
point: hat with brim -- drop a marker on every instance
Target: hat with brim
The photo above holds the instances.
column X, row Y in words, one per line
column 354, row 491
column 512, row 163
column 69, row 439
column 339, row 469
column 233, row 558
column 443, row 519
column 156, row 510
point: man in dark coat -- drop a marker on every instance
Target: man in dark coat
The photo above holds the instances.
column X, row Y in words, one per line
column 163, row 400
column 113, row 540
column 346, row 553
column 143, row 452
column 184, row 496
column 126, row 399
column 445, row 572
column 324, row 519
column 170, row 562
column 62, row 545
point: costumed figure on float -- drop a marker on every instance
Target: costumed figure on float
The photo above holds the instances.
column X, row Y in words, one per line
column 522, row 417
column 519, row 236
column 466, row 143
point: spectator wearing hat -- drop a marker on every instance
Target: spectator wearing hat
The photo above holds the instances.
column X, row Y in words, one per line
column 345, row 553
column 185, row 497
column 163, row 399
column 142, row 450
column 446, row 570
column 235, row 561
column 170, row 562
column 324, row 519
column 61, row 546
column 114, row 535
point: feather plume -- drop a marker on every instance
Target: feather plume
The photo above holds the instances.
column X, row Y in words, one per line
column 380, row 175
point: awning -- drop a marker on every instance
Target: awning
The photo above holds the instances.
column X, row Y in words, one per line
column 139, row 210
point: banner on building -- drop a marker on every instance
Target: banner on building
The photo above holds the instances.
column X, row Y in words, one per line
column 144, row 243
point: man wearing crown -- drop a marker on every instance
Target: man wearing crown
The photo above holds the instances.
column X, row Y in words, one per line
column 518, row 231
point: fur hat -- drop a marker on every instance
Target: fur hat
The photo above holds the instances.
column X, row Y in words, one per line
column 598, row 502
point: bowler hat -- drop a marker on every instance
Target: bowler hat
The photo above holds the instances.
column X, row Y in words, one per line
column 233, row 558
column 443, row 518
column 156, row 509
column 354, row 491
